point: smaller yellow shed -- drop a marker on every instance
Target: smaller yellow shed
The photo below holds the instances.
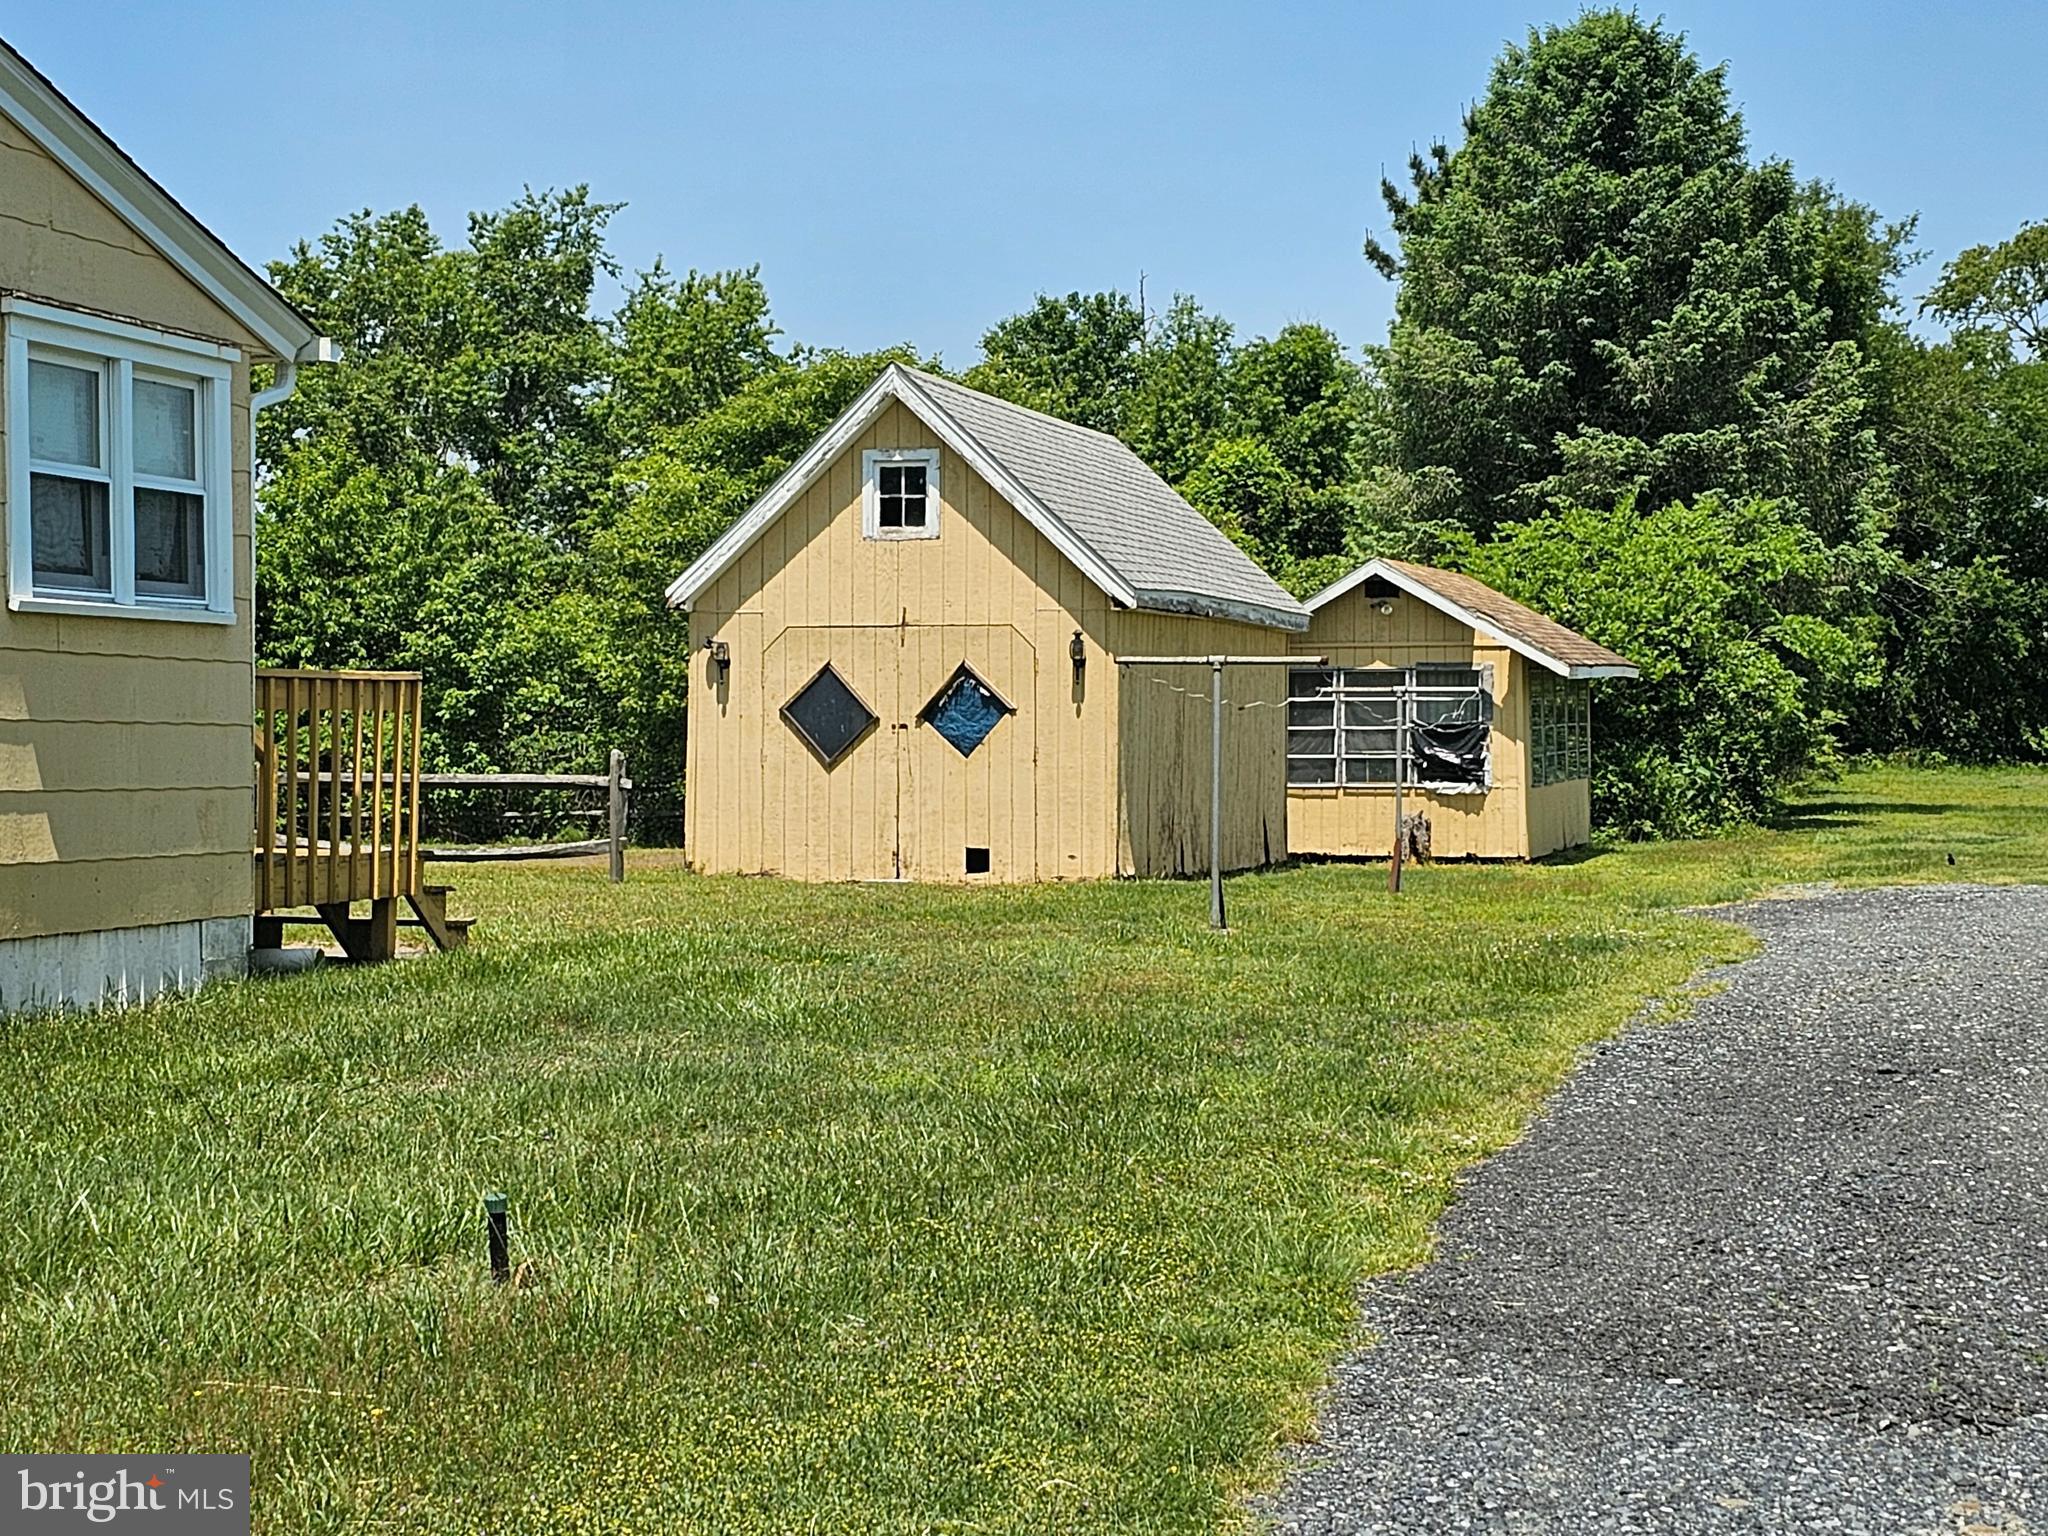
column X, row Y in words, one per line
column 1498, row 704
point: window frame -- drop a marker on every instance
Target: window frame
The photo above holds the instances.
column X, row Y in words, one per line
column 118, row 352
column 872, row 462
column 1560, row 730
column 1398, row 680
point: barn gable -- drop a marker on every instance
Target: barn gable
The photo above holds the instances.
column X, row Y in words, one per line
column 1493, row 615
column 1086, row 493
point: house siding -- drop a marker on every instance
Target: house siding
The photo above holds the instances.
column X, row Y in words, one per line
column 1360, row 822
column 125, row 779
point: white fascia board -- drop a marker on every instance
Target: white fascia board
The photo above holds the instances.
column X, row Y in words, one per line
column 1579, row 673
column 894, row 384
column 74, row 142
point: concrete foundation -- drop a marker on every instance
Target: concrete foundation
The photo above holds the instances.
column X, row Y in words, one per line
column 81, row 971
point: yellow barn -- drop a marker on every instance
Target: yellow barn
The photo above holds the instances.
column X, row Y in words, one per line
column 904, row 659
column 1498, row 701
column 126, row 663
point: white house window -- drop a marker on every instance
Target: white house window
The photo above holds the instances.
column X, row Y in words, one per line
column 122, row 501
column 1343, row 723
column 900, row 497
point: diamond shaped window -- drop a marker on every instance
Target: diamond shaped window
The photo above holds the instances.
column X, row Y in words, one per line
column 965, row 710
column 828, row 715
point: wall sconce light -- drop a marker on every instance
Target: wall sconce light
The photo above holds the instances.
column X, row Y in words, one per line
column 1383, row 607
column 721, row 656
column 1079, row 651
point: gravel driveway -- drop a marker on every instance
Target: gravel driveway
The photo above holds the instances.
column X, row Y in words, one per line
column 1781, row 1266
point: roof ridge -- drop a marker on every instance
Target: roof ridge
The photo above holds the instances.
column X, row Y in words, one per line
column 1028, row 410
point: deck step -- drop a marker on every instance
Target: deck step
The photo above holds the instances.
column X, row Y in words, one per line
column 431, row 908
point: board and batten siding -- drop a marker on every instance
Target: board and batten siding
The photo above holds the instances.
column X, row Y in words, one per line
column 895, row 617
column 1360, row 822
column 125, row 744
column 1164, row 719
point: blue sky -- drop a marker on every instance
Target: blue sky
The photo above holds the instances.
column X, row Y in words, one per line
column 915, row 171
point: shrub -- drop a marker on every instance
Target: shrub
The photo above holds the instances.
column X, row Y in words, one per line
column 1752, row 636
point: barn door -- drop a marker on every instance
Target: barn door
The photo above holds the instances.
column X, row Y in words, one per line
column 967, row 745
column 827, row 797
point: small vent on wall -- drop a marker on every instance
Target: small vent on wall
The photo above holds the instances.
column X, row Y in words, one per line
column 977, row 861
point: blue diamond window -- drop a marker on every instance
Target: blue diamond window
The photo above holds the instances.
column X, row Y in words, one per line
column 965, row 710
column 828, row 715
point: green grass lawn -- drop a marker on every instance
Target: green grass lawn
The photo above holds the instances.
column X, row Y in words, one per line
column 846, row 1208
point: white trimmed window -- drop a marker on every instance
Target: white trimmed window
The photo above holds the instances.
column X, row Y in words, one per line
column 900, row 493
column 119, row 491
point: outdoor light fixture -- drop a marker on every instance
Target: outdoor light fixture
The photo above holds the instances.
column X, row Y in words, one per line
column 1079, row 651
column 1383, row 607
column 721, row 656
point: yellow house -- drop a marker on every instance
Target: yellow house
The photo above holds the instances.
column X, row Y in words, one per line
column 904, row 660
column 127, row 335
column 1498, row 701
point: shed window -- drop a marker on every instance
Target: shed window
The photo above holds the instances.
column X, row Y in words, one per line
column 1560, row 729
column 965, row 710
column 900, row 498
column 121, row 501
column 1343, row 725
column 828, row 715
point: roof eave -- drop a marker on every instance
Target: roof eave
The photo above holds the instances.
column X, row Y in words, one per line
column 1389, row 572
column 82, row 148
column 1203, row 605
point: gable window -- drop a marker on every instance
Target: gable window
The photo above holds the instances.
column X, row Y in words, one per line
column 118, row 489
column 1343, row 726
column 900, row 493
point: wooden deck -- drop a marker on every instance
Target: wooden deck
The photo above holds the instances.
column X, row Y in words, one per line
column 338, row 807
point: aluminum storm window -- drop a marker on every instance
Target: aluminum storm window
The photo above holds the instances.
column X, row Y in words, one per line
column 900, row 496
column 1343, row 722
column 1560, row 729
column 121, row 502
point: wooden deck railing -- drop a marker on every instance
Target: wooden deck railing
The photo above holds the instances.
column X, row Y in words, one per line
column 337, row 787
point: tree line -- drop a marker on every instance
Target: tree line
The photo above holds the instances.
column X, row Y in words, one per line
column 1670, row 392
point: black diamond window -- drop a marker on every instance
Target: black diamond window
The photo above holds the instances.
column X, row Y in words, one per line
column 828, row 715
column 965, row 710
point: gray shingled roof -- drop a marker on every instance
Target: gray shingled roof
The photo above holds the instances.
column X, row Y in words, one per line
column 1173, row 557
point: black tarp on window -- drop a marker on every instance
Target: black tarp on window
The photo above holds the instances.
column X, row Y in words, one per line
column 1448, row 751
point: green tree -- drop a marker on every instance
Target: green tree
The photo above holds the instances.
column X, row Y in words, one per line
column 1077, row 358
column 1600, row 295
column 2000, row 287
column 422, row 498
column 684, row 346
column 1753, row 640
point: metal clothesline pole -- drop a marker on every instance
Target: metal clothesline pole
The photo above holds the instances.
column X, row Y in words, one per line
column 1216, row 664
column 1400, row 777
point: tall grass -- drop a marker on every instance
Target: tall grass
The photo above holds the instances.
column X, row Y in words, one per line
column 842, row 1208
